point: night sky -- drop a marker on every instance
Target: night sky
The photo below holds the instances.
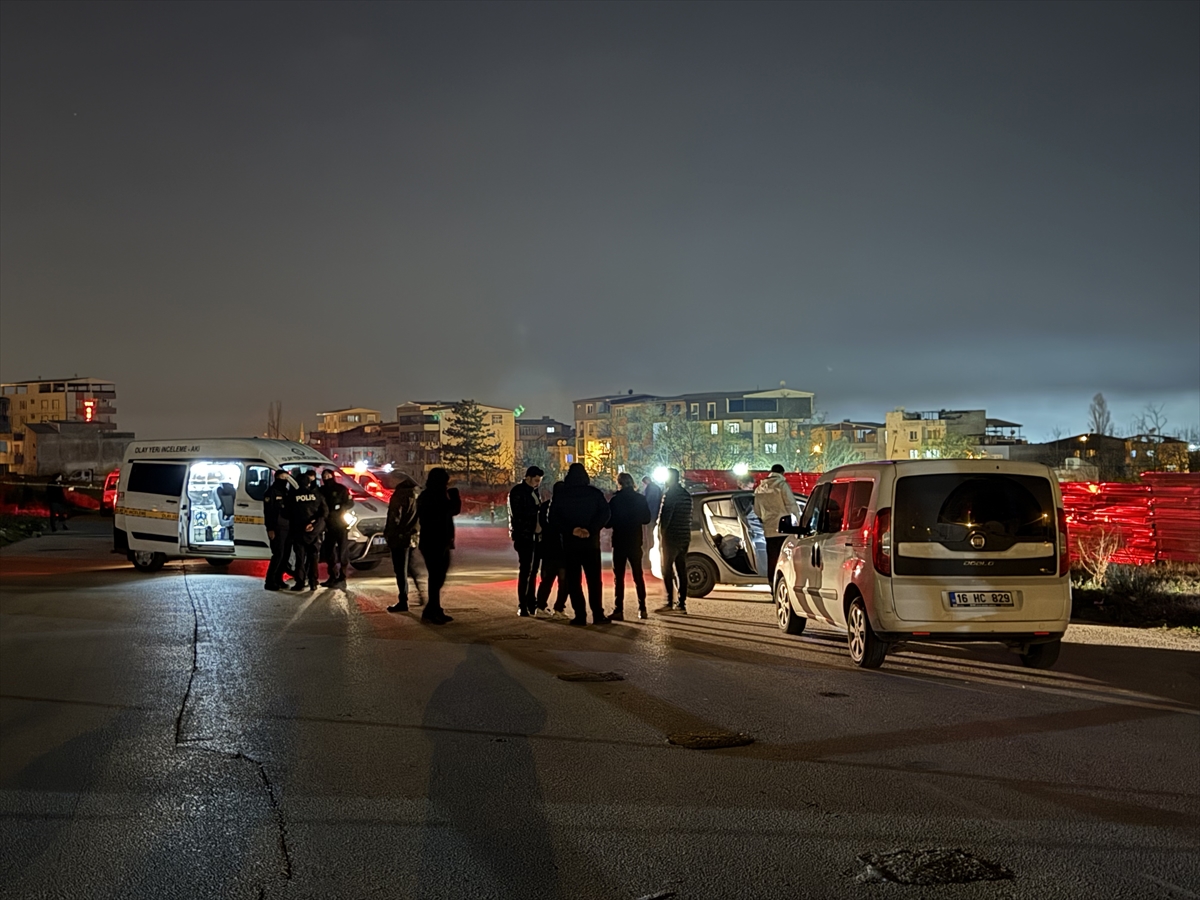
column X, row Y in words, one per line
column 952, row 205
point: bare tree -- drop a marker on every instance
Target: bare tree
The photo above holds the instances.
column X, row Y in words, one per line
column 1096, row 549
column 1151, row 421
column 275, row 419
column 1099, row 417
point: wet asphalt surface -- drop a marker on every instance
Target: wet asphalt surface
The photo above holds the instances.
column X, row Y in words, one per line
column 187, row 734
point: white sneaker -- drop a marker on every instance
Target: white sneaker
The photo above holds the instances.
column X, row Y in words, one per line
column 543, row 614
column 555, row 614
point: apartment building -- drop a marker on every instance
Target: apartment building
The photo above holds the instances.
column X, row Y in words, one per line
column 914, row 435
column 420, row 442
column 91, row 401
column 345, row 419
column 555, row 438
column 608, row 427
column 863, row 437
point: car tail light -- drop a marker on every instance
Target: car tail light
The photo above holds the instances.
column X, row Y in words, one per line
column 881, row 542
column 1064, row 545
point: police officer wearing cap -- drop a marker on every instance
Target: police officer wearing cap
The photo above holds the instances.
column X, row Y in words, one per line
column 277, row 513
column 337, row 499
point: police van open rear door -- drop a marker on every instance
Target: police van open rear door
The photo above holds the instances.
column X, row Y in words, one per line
column 151, row 506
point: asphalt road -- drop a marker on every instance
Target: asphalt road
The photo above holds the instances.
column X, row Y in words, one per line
column 187, row 734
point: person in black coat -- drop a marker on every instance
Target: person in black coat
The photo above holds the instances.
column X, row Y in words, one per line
column 309, row 512
column 629, row 516
column 277, row 513
column 526, row 532
column 675, row 529
column 400, row 533
column 578, row 513
column 552, row 561
column 56, row 499
column 337, row 549
column 437, row 506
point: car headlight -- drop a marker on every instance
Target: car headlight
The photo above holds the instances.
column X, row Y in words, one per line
column 349, row 518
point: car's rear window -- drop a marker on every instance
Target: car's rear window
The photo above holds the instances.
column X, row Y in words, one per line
column 948, row 509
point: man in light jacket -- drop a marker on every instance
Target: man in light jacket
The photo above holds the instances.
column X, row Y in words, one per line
column 773, row 499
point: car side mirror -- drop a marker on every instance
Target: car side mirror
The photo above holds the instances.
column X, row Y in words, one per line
column 788, row 525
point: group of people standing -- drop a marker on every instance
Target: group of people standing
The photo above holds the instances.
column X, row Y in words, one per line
column 559, row 537
column 307, row 523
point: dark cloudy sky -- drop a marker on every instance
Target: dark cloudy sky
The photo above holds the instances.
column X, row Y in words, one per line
column 220, row 205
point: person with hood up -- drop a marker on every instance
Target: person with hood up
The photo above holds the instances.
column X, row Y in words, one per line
column 309, row 512
column 773, row 499
column 629, row 515
column 526, row 533
column 436, row 508
column 277, row 513
column 552, row 562
column 578, row 513
column 675, row 526
column 400, row 532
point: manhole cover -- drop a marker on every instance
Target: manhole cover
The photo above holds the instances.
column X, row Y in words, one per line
column 709, row 740
column 938, row 865
column 591, row 676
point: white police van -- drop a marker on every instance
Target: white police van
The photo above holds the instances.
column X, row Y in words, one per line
column 203, row 499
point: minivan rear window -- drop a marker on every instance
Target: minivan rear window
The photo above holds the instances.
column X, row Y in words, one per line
column 157, row 478
column 976, row 514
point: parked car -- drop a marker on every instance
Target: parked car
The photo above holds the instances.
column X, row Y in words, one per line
column 728, row 545
column 108, row 496
column 374, row 481
column 930, row 550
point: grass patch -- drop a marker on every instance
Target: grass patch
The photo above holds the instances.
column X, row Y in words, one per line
column 1162, row 595
column 17, row 528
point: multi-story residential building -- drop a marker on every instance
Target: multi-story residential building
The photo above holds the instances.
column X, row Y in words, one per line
column 345, row 419
column 61, row 400
column 613, row 428
column 6, row 438
column 534, row 436
column 1103, row 457
column 363, row 443
column 420, row 441
column 863, row 437
column 914, row 435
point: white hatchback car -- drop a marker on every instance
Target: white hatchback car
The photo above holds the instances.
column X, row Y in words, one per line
column 930, row 550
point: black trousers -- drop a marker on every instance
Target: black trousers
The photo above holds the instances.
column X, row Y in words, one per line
column 308, row 555
column 281, row 549
column 674, row 570
column 437, row 565
column 627, row 554
column 774, row 545
column 337, row 552
column 527, row 568
column 552, row 571
column 402, row 564
column 582, row 560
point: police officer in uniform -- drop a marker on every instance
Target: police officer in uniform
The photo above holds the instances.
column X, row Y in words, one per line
column 339, row 502
column 277, row 513
column 309, row 513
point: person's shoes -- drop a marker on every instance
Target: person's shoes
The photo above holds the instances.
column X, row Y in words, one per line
column 641, row 610
column 272, row 587
column 617, row 615
column 522, row 612
column 298, row 586
column 578, row 622
column 668, row 608
column 683, row 609
column 542, row 613
column 328, row 582
column 399, row 606
column 339, row 585
column 602, row 620
column 557, row 614
column 436, row 618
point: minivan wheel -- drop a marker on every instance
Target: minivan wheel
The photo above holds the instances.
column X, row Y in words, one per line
column 147, row 561
column 218, row 562
column 701, row 576
column 789, row 622
column 866, row 649
column 1042, row 656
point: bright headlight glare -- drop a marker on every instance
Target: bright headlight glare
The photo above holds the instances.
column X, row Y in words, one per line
column 741, row 470
column 660, row 474
column 349, row 518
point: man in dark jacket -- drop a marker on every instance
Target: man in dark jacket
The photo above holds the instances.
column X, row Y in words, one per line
column 277, row 511
column 551, row 549
column 309, row 513
column 629, row 515
column 399, row 532
column 578, row 513
column 675, row 528
column 436, row 508
column 338, row 500
column 526, row 532
column 56, row 499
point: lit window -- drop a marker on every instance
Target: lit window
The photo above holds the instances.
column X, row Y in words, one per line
column 770, row 448
column 912, row 454
column 735, row 427
column 1133, row 453
column 714, row 428
column 549, row 429
column 771, row 427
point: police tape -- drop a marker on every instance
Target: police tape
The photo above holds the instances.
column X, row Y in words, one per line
column 168, row 514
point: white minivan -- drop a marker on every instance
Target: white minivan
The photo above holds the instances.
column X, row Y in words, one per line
column 203, row 498
column 930, row 550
